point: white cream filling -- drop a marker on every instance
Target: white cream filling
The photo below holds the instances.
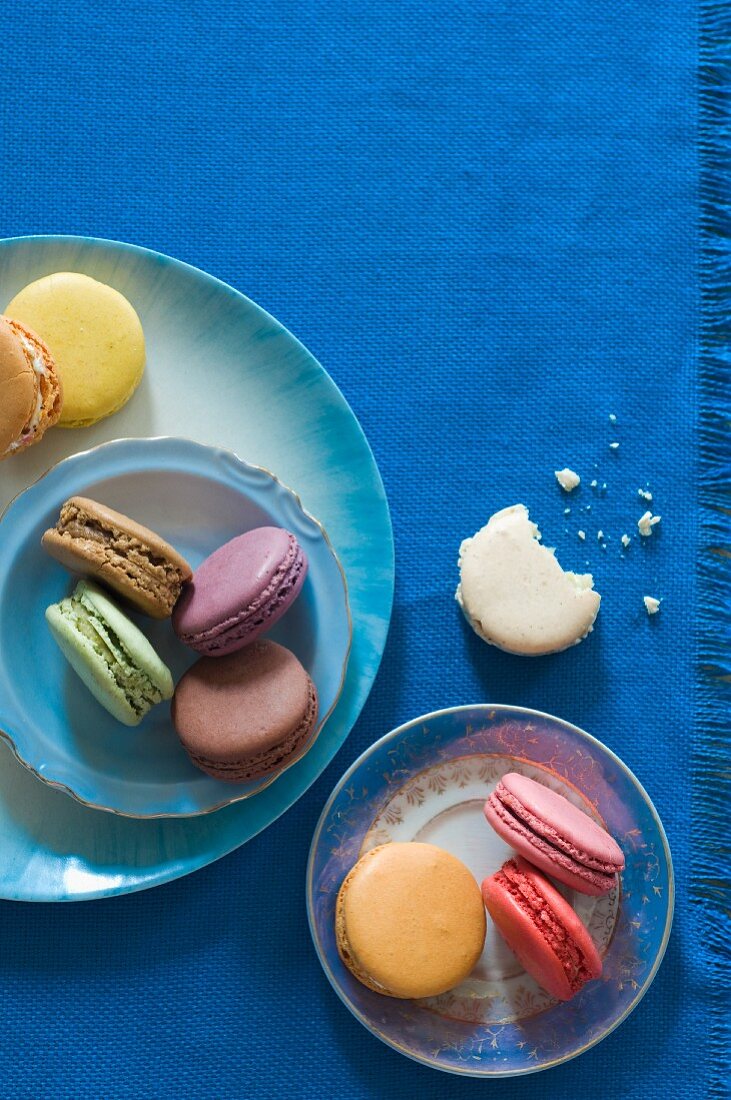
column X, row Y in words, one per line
column 41, row 370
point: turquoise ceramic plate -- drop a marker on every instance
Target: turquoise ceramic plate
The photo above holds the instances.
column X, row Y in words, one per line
column 223, row 372
column 197, row 498
column 428, row 781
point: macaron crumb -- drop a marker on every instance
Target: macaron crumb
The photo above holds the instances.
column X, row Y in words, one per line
column 646, row 522
column 625, row 540
column 652, row 605
column 581, row 534
column 567, row 479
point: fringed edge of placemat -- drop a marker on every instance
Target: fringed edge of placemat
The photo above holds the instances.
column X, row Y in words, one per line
column 711, row 876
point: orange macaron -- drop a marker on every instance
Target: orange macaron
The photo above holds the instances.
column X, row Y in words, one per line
column 410, row 921
column 30, row 388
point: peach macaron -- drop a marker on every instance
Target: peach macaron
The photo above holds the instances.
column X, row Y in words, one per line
column 410, row 920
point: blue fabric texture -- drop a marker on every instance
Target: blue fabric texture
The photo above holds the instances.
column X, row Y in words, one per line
column 482, row 218
column 711, row 777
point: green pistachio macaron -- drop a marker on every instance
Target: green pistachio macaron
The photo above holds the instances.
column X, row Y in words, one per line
column 110, row 654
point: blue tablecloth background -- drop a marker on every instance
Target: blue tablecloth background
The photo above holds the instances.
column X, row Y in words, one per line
column 481, row 216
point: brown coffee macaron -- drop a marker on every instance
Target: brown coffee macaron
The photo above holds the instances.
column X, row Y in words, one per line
column 95, row 541
column 246, row 715
column 30, row 388
column 410, row 920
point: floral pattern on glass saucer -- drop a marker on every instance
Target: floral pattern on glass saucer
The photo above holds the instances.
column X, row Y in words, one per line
column 428, row 781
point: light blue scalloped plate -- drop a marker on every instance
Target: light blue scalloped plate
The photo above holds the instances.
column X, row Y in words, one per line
column 222, row 371
column 197, row 498
column 428, row 781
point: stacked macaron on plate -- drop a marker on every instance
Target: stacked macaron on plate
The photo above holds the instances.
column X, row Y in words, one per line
column 196, row 499
column 495, row 787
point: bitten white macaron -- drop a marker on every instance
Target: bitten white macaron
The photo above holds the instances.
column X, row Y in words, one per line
column 514, row 593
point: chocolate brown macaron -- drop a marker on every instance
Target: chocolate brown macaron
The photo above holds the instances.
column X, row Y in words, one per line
column 95, row 541
column 30, row 388
column 246, row 715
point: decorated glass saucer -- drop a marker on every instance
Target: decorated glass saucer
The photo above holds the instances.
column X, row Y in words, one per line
column 428, row 781
column 197, row 498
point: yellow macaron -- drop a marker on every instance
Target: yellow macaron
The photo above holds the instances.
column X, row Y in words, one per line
column 96, row 339
column 410, row 920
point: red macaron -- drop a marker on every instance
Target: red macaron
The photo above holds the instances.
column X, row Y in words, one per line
column 553, row 834
column 541, row 929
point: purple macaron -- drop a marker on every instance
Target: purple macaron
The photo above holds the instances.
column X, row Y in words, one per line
column 240, row 591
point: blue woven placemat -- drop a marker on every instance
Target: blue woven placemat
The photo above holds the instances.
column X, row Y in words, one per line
column 483, row 218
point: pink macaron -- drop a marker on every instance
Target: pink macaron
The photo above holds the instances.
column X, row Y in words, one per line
column 240, row 591
column 554, row 834
column 541, row 929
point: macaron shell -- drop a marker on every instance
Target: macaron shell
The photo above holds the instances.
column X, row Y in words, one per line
column 240, row 591
column 268, row 761
column 541, row 929
column 109, row 653
column 525, row 940
column 95, row 336
column 411, row 920
column 91, row 669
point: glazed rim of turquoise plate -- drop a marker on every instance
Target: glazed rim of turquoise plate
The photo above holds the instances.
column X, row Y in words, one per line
column 267, row 780
column 516, row 711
